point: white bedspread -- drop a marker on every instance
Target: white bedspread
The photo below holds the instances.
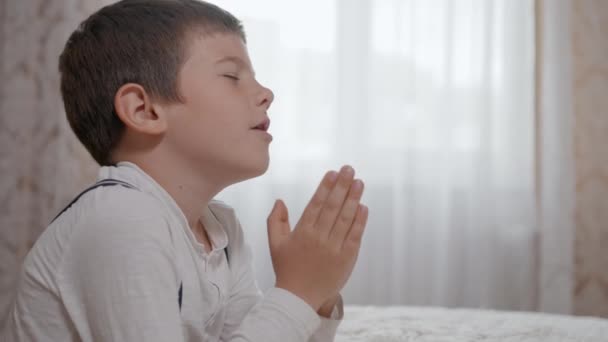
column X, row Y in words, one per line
column 384, row 324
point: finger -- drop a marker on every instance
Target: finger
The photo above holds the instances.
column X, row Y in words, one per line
column 353, row 239
column 335, row 201
column 312, row 210
column 278, row 224
column 346, row 216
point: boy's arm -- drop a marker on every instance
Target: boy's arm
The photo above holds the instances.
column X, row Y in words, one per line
column 119, row 282
column 277, row 315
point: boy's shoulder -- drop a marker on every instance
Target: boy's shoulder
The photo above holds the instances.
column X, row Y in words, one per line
column 108, row 207
column 103, row 221
column 122, row 203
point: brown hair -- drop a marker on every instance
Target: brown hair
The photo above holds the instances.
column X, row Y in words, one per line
column 131, row 41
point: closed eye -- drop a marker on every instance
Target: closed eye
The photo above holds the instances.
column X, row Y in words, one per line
column 232, row 77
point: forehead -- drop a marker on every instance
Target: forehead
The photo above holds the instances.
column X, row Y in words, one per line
column 211, row 49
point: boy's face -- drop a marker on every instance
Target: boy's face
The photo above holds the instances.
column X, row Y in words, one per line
column 219, row 129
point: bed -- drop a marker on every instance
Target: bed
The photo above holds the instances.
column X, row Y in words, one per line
column 388, row 324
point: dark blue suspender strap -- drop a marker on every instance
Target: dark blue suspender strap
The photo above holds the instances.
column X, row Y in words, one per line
column 101, row 183
column 180, row 295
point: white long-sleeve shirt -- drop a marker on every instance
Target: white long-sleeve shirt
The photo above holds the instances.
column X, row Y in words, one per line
column 116, row 264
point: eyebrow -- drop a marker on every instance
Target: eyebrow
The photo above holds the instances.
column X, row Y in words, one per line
column 236, row 60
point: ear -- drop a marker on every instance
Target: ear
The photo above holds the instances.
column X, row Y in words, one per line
column 135, row 109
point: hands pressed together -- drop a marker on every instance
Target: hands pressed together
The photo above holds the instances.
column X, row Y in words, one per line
column 316, row 258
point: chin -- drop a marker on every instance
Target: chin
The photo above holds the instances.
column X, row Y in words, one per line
column 261, row 168
column 252, row 169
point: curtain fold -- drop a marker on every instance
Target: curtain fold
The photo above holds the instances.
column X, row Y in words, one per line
column 555, row 156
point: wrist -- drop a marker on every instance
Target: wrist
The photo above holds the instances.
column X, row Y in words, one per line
column 314, row 302
column 328, row 306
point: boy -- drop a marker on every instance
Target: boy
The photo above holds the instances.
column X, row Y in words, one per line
column 163, row 95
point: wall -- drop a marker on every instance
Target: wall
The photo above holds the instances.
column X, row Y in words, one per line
column 41, row 163
column 590, row 104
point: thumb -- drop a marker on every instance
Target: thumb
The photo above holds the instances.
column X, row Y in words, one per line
column 278, row 224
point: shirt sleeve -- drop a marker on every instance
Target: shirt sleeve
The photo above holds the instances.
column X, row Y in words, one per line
column 278, row 315
column 329, row 326
column 119, row 281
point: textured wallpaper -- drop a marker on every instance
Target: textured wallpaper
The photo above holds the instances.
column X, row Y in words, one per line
column 590, row 102
column 41, row 163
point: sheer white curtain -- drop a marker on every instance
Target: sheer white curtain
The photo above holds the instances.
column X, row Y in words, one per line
column 432, row 102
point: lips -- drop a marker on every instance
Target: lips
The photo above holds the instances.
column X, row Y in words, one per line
column 263, row 126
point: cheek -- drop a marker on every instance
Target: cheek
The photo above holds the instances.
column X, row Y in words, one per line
column 220, row 118
column 213, row 125
column 216, row 110
column 224, row 109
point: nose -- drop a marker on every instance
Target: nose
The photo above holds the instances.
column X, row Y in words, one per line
column 264, row 98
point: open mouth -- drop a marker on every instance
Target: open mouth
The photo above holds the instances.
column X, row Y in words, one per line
column 263, row 126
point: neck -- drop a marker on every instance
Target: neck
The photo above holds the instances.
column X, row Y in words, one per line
column 192, row 191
